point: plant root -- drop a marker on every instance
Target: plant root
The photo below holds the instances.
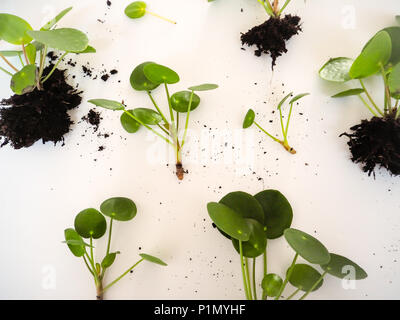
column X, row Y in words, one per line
column 180, row 172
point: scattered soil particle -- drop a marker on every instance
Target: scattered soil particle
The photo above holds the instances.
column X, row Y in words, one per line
column 39, row 114
column 101, row 148
column 109, row 3
column 376, row 142
column 105, row 77
column 52, row 56
column 93, row 117
column 87, row 71
column 271, row 36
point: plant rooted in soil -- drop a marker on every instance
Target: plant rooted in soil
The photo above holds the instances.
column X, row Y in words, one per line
column 249, row 120
column 138, row 9
column 271, row 36
column 38, row 110
column 147, row 77
column 251, row 222
column 91, row 224
column 375, row 142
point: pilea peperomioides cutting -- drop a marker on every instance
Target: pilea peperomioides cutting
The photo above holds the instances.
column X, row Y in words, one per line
column 138, row 9
column 251, row 222
column 374, row 142
column 91, row 224
column 147, row 77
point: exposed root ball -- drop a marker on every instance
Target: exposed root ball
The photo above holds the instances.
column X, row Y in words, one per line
column 39, row 114
column 376, row 142
column 271, row 36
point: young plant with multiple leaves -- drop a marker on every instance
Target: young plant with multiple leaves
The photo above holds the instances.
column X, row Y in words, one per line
column 251, row 222
column 249, row 120
column 138, row 9
column 374, row 142
column 91, row 224
column 147, row 77
column 17, row 31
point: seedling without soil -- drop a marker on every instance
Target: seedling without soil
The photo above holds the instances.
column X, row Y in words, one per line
column 91, row 224
column 251, row 222
column 138, row 9
column 147, row 77
column 374, row 142
column 249, row 120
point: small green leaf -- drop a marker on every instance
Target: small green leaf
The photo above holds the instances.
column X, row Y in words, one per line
column 52, row 22
column 152, row 259
column 107, row 104
column 271, row 284
column 304, row 277
column 77, row 242
column 147, row 116
column 283, row 101
column 204, row 87
column 374, row 56
column 298, row 97
column 307, row 246
column 25, row 80
column 90, row 223
column 249, row 119
column 347, row 93
column 109, row 259
column 139, row 81
column 136, row 9
column 229, row 221
column 119, row 208
column 336, row 70
column 180, row 101
column 340, row 266
column 77, row 249
column 11, row 53
column 257, row 243
column 159, row 74
column 278, row 213
column 89, row 49
column 14, row 29
column 128, row 123
column 31, row 53
column 65, row 39
column 394, row 82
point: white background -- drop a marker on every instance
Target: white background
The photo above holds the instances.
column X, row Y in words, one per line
column 44, row 187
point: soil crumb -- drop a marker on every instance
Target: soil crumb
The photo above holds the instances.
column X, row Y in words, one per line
column 39, row 115
column 93, row 117
column 376, row 142
column 271, row 36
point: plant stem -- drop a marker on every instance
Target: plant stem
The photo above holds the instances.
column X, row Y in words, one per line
column 4, row 70
column 276, row 8
column 398, row 109
column 271, row 136
column 163, row 129
column 156, row 106
column 267, row 6
column 8, row 62
column 314, row 286
column 284, row 7
column 370, row 98
column 25, row 55
column 121, row 276
column 288, row 120
column 246, row 263
column 289, row 273
column 187, row 117
column 55, row 67
column 388, row 99
column 87, row 265
column 43, row 54
column 264, row 296
column 171, row 113
column 368, row 106
column 254, row 279
column 160, row 17
column 91, row 254
column 99, row 290
column 281, row 119
column 246, row 290
column 293, row 294
column 20, row 59
column 109, row 236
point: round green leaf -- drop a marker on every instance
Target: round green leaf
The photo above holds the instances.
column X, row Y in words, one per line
column 336, row 266
column 374, row 56
column 229, row 221
column 90, row 223
column 14, row 29
column 249, row 119
column 394, row 33
column 394, row 81
column 107, row 104
column 336, row 70
column 25, row 80
column 307, row 246
column 204, row 87
column 64, row 39
column 278, row 213
column 139, row 81
column 271, row 284
column 109, row 259
column 136, row 10
column 257, row 242
column 78, row 250
column 304, row 277
column 128, row 123
column 31, row 53
column 147, row 116
column 159, row 74
column 118, row 208
column 152, row 259
column 180, row 101
column 347, row 93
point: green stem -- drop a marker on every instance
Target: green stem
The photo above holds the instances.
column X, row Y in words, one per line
column 187, row 117
column 370, row 98
column 22, row 61
column 271, row 136
column 121, row 276
column 163, row 129
column 388, row 99
column 4, row 70
column 43, row 54
column 267, row 6
column 246, row 290
column 109, row 236
column 264, row 296
column 284, row 7
column 171, row 113
column 25, row 55
column 246, row 263
column 368, row 106
column 398, row 109
column 293, row 294
column 9, row 63
column 281, row 119
column 156, row 106
column 314, row 286
column 55, row 67
column 91, row 253
column 287, row 123
column 254, row 279
column 87, row 265
column 289, row 273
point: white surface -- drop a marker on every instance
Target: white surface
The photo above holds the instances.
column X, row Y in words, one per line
column 44, row 187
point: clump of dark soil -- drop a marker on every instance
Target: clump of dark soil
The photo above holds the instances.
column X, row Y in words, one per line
column 39, row 115
column 271, row 36
column 93, row 117
column 376, row 142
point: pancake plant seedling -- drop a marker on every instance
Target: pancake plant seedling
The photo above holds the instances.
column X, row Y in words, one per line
column 138, row 9
column 249, row 120
column 251, row 222
column 147, row 77
column 91, row 224
column 374, row 142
